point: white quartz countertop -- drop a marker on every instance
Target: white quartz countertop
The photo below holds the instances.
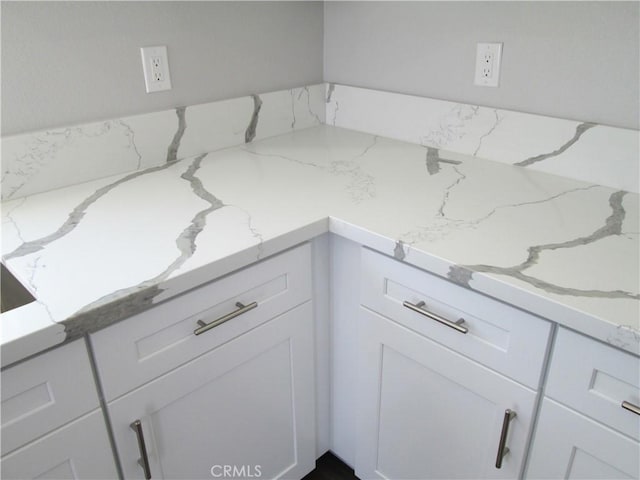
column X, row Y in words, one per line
column 98, row 252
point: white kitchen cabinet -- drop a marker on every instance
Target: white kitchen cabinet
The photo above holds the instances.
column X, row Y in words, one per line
column 52, row 425
column 154, row 342
column 583, row 429
column 595, row 379
column 503, row 338
column 425, row 411
column 248, row 404
column 236, row 400
column 442, row 372
column 569, row 445
column 78, row 450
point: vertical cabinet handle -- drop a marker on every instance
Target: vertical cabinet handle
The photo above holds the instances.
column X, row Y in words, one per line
column 631, row 407
column 502, row 446
column 418, row 308
column 143, row 461
column 205, row 327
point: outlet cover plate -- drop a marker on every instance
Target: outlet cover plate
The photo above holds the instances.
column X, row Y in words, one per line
column 488, row 59
column 155, row 65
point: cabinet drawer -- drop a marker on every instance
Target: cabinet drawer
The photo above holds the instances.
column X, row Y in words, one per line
column 147, row 345
column 595, row 379
column 503, row 338
column 45, row 392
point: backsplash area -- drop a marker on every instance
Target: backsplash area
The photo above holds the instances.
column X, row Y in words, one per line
column 584, row 151
column 46, row 160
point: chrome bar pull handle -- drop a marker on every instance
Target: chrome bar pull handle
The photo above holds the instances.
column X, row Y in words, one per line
column 631, row 407
column 502, row 446
column 419, row 308
column 205, row 327
column 143, row 461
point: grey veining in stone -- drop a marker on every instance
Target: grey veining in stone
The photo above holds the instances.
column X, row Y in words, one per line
column 580, row 129
column 361, row 184
column 626, row 336
column 34, row 266
column 93, row 318
column 612, row 226
column 172, row 151
column 186, row 242
column 398, row 251
column 254, row 232
column 76, row 215
column 9, row 217
column 433, row 160
column 451, row 127
column 79, row 211
column 493, row 127
column 447, row 192
column 197, row 186
column 43, row 148
column 311, row 112
column 293, row 108
column 250, row 133
column 460, row 275
column 369, row 147
column 283, row 157
column 332, row 87
column 532, row 202
column 139, row 297
column 444, row 224
column 132, row 142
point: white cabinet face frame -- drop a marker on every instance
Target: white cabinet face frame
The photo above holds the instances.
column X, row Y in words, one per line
column 248, row 403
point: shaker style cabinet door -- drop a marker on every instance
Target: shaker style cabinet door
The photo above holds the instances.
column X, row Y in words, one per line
column 426, row 412
column 244, row 409
column 79, row 450
column 569, row 445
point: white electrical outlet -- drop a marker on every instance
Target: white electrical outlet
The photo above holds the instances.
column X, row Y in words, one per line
column 488, row 58
column 155, row 65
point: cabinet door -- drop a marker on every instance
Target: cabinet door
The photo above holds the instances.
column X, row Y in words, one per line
column 428, row 412
column 570, row 445
column 40, row 394
column 78, row 450
column 244, row 409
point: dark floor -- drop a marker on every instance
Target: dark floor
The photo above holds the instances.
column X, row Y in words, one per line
column 329, row 467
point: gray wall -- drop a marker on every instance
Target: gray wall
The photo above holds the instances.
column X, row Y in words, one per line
column 71, row 62
column 576, row 60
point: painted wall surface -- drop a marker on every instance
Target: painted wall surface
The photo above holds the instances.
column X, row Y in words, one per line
column 574, row 60
column 65, row 63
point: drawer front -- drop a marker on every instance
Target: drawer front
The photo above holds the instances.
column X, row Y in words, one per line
column 45, row 392
column 154, row 342
column 503, row 338
column 595, row 379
